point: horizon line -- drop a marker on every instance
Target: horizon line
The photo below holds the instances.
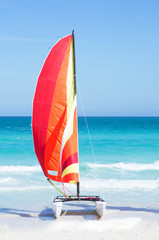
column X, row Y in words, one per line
column 126, row 116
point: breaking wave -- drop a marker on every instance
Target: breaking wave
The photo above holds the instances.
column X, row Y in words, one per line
column 20, row 169
column 21, row 189
column 127, row 166
column 7, row 180
column 9, row 185
column 121, row 184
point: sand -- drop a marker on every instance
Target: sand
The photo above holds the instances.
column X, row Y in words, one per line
column 80, row 222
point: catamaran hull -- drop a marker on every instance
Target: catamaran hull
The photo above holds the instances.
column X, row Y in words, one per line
column 100, row 208
column 57, row 208
column 100, row 204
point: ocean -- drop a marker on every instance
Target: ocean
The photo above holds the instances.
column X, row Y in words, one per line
column 119, row 160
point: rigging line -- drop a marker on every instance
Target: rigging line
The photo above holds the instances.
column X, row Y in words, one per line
column 64, row 189
column 87, row 127
column 72, row 193
column 57, row 187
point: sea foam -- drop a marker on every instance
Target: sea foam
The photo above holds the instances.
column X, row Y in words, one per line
column 20, row 169
column 120, row 184
column 7, row 180
column 127, row 166
column 23, row 188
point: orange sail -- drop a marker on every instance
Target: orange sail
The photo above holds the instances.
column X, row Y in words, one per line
column 54, row 120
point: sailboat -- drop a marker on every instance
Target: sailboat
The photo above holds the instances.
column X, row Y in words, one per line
column 54, row 123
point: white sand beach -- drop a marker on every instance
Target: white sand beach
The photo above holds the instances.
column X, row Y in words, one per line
column 80, row 222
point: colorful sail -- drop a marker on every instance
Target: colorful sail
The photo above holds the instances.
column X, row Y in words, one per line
column 54, row 120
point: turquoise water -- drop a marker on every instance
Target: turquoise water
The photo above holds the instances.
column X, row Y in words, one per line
column 119, row 160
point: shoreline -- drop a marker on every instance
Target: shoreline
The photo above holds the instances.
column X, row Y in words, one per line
column 117, row 223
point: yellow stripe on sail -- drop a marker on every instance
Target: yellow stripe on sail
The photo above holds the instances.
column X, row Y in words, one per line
column 73, row 182
column 73, row 168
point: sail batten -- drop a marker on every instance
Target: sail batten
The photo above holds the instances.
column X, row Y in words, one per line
column 54, row 120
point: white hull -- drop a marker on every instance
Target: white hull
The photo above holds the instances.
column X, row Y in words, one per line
column 100, row 208
column 57, row 209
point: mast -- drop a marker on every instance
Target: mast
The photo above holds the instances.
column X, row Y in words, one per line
column 73, row 37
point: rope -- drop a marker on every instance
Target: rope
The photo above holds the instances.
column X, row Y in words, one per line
column 64, row 189
column 73, row 194
column 87, row 129
column 57, row 188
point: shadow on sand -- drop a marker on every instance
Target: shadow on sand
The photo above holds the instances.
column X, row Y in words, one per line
column 72, row 210
column 20, row 212
column 46, row 214
column 133, row 209
column 88, row 212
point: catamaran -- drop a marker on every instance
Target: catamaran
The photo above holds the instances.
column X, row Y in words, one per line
column 54, row 123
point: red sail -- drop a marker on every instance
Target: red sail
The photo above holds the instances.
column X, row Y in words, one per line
column 54, row 120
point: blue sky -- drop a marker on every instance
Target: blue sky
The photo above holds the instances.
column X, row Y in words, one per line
column 117, row 53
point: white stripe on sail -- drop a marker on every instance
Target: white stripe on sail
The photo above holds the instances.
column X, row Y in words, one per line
column 70, row 82
column 68, row 126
